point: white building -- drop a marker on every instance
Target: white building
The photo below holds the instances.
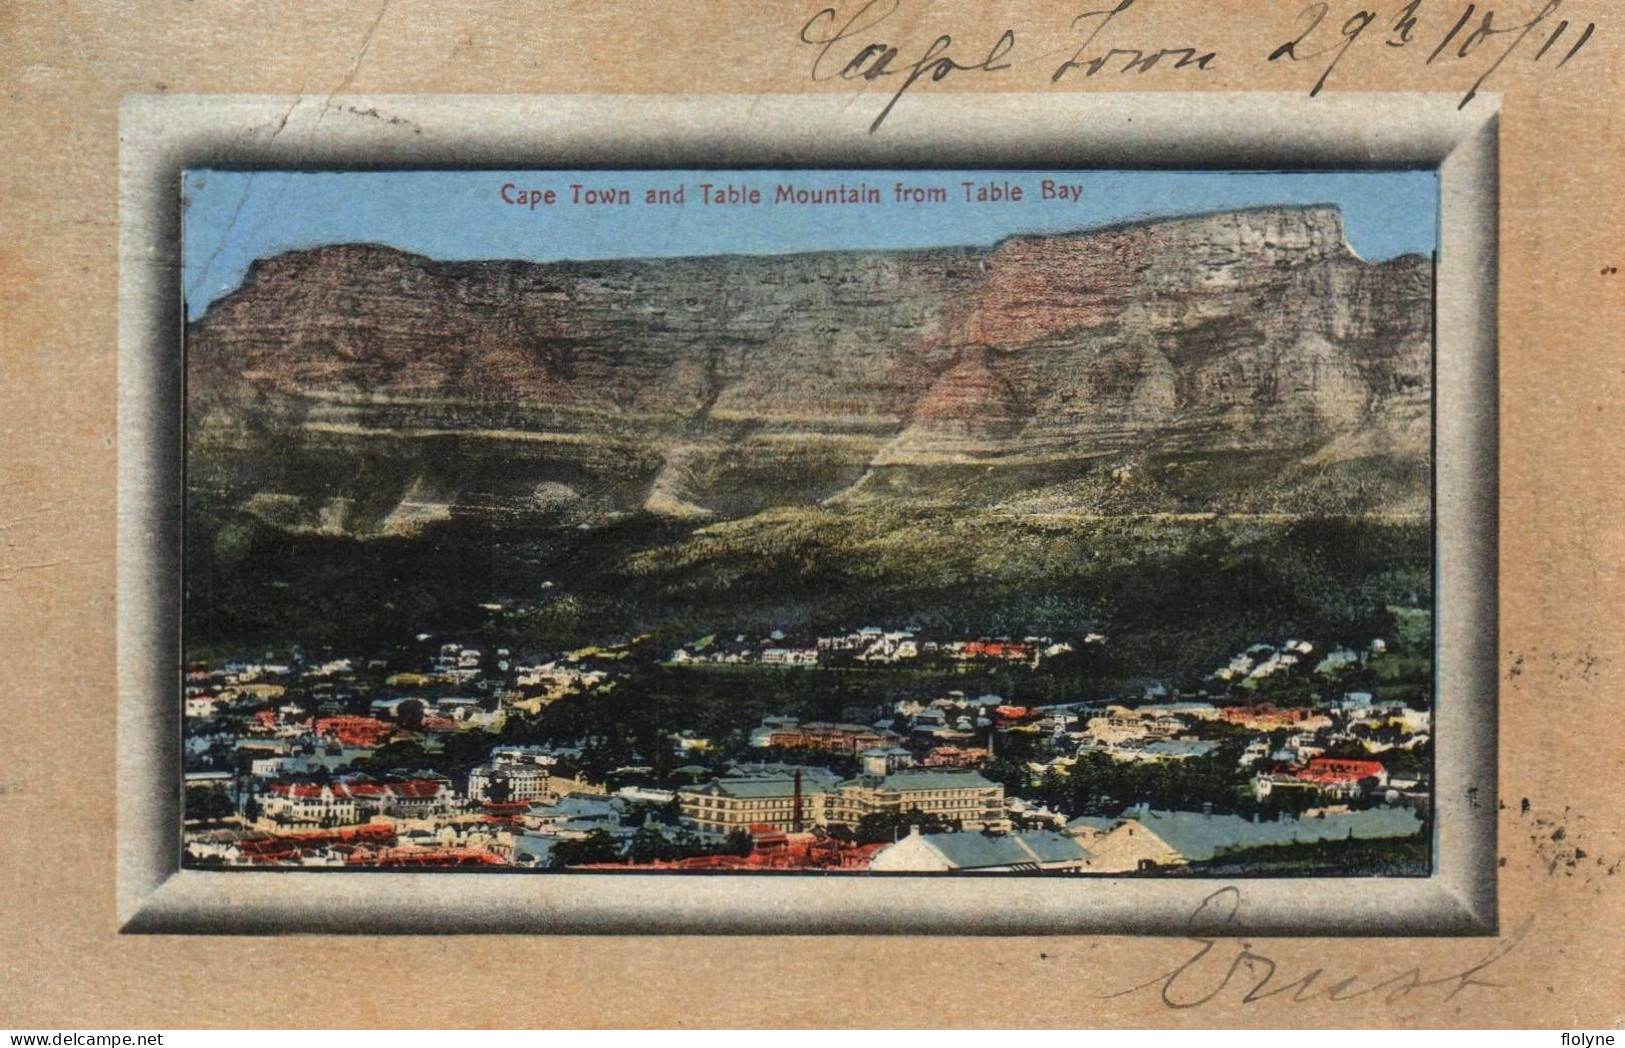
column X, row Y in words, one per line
column 309, row 804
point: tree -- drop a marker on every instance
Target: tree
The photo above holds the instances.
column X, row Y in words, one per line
column 1415, row 760
column 410, row 714
column 459, row 753
column 1052, row 786
column 885, row 827
column 688, row 843
column 650, row 845
column 1288, row 800
column 499, row 790
column 599, row 846
column 208, row 805
column 394, row 756
column 1344, row 750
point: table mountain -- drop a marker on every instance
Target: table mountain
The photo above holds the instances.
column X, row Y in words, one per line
column 1241, row 362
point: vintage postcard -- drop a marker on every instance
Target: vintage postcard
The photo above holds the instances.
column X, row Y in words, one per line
column 856, row 513
column 1028, row 522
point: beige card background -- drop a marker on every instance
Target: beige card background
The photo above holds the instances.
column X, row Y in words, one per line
column 63, row 70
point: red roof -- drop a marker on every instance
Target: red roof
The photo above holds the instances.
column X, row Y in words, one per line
column 765, row 835
column 436, row 857
column 1268, row 714
column 1332, row 769
column 415, row 788
column 1000, row 649
column 288, row 844
column 802, row 853
column 355, row 731
column 301, row 789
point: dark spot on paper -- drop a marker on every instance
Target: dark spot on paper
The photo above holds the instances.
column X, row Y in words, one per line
column 1560, row 844
column 372, row 113
column 1566, row 666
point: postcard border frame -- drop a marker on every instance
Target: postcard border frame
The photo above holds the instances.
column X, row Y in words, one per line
column 162, row 135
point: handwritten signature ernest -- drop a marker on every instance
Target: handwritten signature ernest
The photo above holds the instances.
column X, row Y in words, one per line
column 1221, row 964
column 847, row 44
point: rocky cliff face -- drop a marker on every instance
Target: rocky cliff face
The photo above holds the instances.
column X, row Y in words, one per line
column 1243, row 361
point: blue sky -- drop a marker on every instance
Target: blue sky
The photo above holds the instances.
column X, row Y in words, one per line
column 232, row 218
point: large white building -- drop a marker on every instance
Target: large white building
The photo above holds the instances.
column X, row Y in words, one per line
column 952, row 794
column 309, row 804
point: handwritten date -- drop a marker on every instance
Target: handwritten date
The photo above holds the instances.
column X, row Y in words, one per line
column 853, row 43
column 1482, row 30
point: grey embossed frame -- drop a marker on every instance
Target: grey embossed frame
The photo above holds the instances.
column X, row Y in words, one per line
column 162, row 136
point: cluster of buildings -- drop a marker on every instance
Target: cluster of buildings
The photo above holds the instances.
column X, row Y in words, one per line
column 798, row 799
column 587, row 670
column 206, row 691
column 1335, row 749
column 355, row 799
column 952, row 731
column 426, row 820
column 956, row 757
column 769, row 850
column 790, row 734
column 1342, row 779
column 955, row 731
column 870, row 645
column 957, row 720
column 1137, row 841
column 1143, row 839
column 282, row 743
column 1265, row 660
column 457, row 663
column 1262, row 661
column 516, row 773
column 1153, row 733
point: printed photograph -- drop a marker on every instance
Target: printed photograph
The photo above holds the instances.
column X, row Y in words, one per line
column 840, row 522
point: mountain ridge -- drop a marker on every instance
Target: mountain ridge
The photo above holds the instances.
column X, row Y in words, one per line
column 1233, row 361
